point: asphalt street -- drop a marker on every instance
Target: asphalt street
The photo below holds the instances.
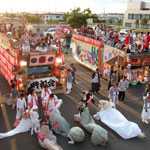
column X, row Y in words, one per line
column 131, row 108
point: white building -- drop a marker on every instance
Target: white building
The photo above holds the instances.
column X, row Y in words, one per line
column 53, row 16
column 137, row 10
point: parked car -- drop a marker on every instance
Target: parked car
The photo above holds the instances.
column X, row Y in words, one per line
column 124, row 31
column 115, row 27
column 50, row 31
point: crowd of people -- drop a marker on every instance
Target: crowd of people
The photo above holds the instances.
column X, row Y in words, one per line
column 29, row 38
column 28, row 106
column 131, row 42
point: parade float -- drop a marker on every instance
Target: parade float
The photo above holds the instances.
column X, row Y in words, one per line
column 94, row 54
column 31, row 68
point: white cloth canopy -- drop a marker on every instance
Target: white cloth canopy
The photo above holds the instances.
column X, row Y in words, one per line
column 117, row 122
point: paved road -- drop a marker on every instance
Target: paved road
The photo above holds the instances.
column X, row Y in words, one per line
column 131, row 109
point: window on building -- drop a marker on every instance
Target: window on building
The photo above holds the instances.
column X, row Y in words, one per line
column 57, row 16
column 130, row 16
column 137, row 25
column 138, row 16
column 146, row 16
column 127, row 24
column 134, row 16
column 144, row 26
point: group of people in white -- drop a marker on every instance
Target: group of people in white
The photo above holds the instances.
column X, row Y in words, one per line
column 27, row 115
column 50, row 102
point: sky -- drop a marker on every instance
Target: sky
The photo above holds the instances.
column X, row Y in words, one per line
column 97, row 6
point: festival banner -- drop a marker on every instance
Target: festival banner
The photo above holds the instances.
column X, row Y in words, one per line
column 86, row 54
column 38, row 84
column 111, row 52
column 41, row 60
column 87, row 40
column 139, row 60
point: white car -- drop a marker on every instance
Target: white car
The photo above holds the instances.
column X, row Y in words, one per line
column 50, row 31
column 124, row 31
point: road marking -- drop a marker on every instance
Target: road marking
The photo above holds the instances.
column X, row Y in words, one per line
column 5, row 116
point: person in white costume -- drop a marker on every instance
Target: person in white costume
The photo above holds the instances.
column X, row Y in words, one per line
column 34, row 116
column 32, row 99
column 147, row 90
column 69, row 81
column 21, row 106
column 146, row 109
column 45, row 93
column 24, row 125
column 113, row 95
column 52, row 103
column 129, row 75
column 117, row 122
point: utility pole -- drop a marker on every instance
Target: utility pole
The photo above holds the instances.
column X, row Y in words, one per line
column 55, row 9
column 104, row 15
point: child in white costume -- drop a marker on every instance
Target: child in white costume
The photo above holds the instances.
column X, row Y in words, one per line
column 113, row 95
column 45, row 93
column 32, row 99
column 69, row 81
column 146, row 109
column 52, row 103
column 34, row 116
column 21, row 106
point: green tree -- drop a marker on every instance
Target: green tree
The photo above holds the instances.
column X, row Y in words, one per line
column 110, row 21
column 137, row 22
column 52, row 21
column 144, row 21
column 35, row 19
column 76, row 18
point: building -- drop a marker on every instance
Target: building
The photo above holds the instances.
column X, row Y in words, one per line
column 53, row 16
column 116, row 17
column 136, row 11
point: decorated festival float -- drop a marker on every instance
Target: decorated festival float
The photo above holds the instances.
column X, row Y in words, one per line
column 94, row 54
column 31, row 68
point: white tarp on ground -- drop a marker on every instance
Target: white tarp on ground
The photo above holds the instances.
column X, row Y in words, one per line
column 117, row 122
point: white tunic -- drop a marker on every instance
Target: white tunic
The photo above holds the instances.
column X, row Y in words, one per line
column 21, row 103
column 34, row 117
column 52, row 104
column 32, row 100
column 45, row 94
